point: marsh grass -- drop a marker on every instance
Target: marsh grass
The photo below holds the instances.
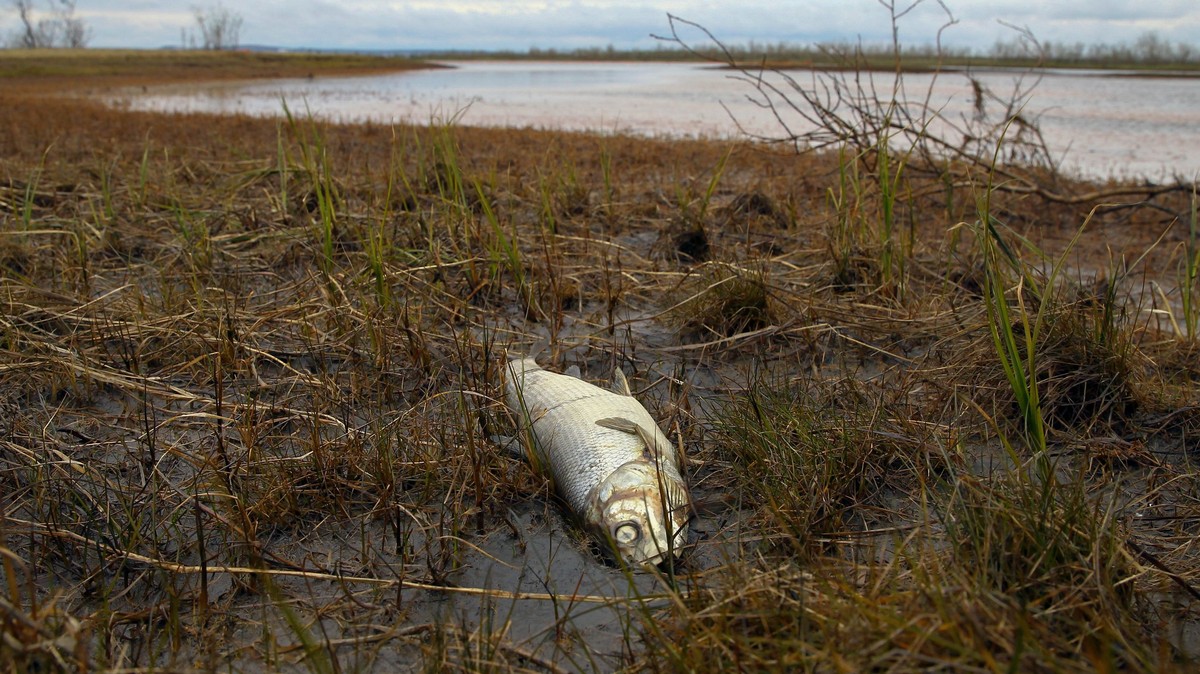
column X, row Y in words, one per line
column 1052, row 552
column 811, row 455
column 1068, row 359
column 1189, row 274
column 242, row 384
column 868, row 239
column 323, row 196
column 722, row 300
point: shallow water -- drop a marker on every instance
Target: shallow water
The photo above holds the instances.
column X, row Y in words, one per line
column 1097, row 123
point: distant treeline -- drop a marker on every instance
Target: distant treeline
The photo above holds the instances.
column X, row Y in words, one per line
column 1150, row 50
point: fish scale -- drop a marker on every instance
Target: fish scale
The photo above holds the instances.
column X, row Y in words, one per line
column 573, row 444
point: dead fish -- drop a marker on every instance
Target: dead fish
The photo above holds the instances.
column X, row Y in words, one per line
column 609, row 460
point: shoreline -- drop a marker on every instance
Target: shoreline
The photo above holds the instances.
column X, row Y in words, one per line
column 166, row 65
column 66, row 71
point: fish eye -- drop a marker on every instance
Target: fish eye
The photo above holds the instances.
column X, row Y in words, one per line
column 627, row 532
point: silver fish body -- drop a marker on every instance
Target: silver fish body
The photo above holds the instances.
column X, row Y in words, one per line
column 609, row 460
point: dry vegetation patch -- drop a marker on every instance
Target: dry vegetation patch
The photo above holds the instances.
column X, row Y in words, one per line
column 248, row 369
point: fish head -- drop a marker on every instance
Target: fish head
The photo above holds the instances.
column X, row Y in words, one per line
column 641, row 510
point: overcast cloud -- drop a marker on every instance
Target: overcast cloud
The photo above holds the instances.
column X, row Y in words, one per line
column 567, row 24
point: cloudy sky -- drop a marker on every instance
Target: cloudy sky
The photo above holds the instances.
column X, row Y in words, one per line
column 567, row 24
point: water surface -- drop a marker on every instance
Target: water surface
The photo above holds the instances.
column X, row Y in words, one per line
column 1097, row 123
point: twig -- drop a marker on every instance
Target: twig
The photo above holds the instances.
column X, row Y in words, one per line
column 1158, row 564
column 174, row 567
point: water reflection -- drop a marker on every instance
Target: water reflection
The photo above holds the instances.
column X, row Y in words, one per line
column 1099, row 125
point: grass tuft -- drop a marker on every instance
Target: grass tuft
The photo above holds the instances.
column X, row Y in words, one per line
column 722, row 300
column 811, row 456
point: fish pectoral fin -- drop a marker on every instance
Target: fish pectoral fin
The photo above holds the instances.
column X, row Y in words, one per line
column 633, row 428
column 619, row 424
column 510, row 444
column 620, row 385
column 538, row 347
column 522, row 448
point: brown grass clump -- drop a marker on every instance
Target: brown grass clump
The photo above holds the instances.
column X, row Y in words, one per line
column 44, row 639
column 1087, row 379
column 723, row 300
column 814, row 458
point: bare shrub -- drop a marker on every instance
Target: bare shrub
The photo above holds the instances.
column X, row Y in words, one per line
column 57, row 26
column 220, row 27
column 866, row 107
column 853, row 102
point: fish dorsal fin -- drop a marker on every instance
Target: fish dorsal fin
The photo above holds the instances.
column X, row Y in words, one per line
column 633, row 428
column 539, row 346
column 572, row 371
column 620, row 385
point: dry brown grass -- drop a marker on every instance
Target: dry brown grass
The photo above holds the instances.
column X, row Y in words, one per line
column 245, row 367
column 75, row 70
